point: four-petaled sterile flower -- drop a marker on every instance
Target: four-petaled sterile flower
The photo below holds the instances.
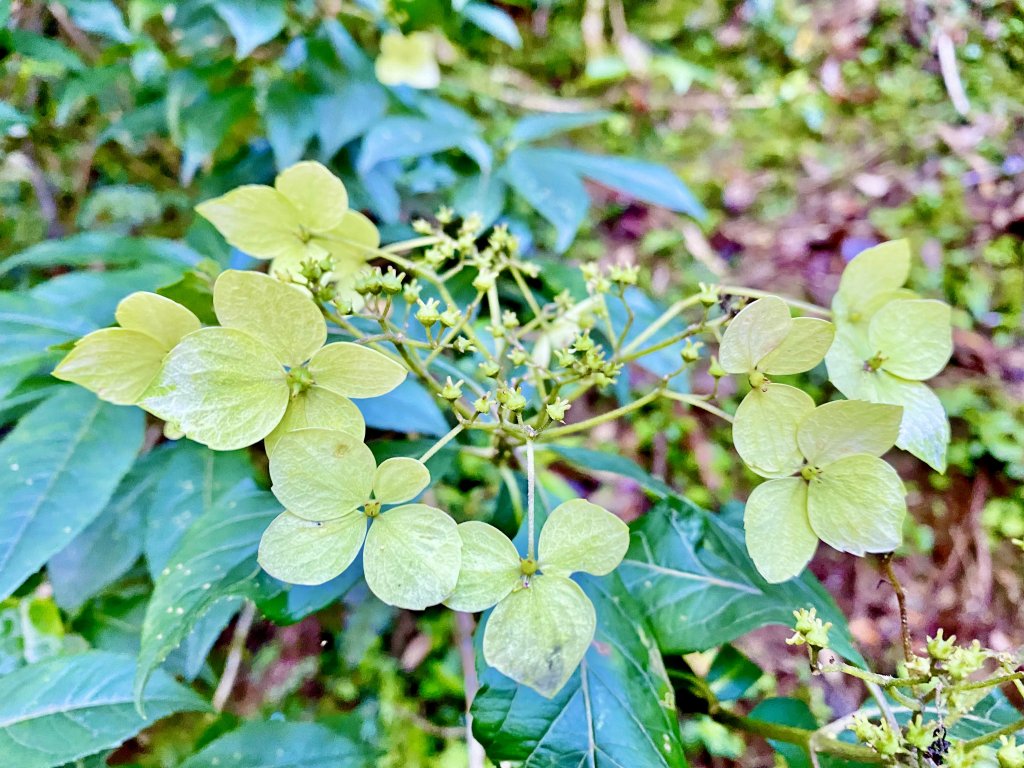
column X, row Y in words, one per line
column 889, row 343
column 543, row 622
column 332, row 489
column 265, row 370
column 304, row 216
column 408, row 60
column 118, row 364
column 843, row 493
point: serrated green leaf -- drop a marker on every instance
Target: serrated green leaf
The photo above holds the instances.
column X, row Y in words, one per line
column 779, row 537
column 408, row 60
column 913, row 337
column 353, row 370
column 412, row 556
column 580, row 536
column 301, row 551
column 71, row 707
column 693, row 577
column 489, row 571
column 220, row 387
column 619, row 710
column 257, row 220
column 857, row 505
column 760, row 327
column 58, row 469
column 538, row 635
column 804, row 347
column 319, row 474
column 873, row 271
column 399, row 479
column 317, row 194
column 847, row 427
column 764, row 429
column 157, row 316
column 116, row 364
column 275, row 744
column 215, row 561
column 281, row 316
column 320, row 408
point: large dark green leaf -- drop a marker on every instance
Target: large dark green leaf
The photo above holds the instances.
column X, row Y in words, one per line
column 215, row 561
column 281, row 745
column 30, row 324
column 552, row 189
column 694, row 580
column 601, row 461
column 616, row 710
column 252, row 22
column 399, row 138
column 58, row 469
column 106, row 247
column 543, row 126
column 67, row 708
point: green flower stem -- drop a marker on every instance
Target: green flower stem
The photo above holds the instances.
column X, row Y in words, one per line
column 991, row 682
column 752, row 293
column 988, row 738
column 885, row 681
column 603, row 418
column 630, row 319
column 809, row 740
column 452, row 434
column 408, row 245
column 531, row 499
column 901, row 602
column 659, row 323
column 528, row 295
column 454, row 331
column 698, row 402
column 691, row 330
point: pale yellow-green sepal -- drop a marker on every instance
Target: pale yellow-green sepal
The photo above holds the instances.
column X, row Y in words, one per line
column 857, row 505
column 490, row 568
column 412, row 556
column 351, row 243
column 319, row 408
column 282, row 316
column 117, row 364
column 318, row 195
column 759, row 328
column 400, row 479
column 848, row 427
column 538, row 635
column 581, row 536
column 301, row 551
column 779, row 537
column 319, row 474
column 256, row 219
column 914, row 337
column 873, row 271
column 803, row 348
column 408, row 60
column 220, row 387
column 765, row 426
column 845, row 363
column 157, row 316
column 924, row 430
column 356, row 371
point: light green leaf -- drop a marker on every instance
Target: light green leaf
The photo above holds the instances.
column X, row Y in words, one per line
column 914, row 337
column 221, row 387
column 150, row 313
column 317, row 194
column 580, row 536
column 848, row 427
column 759, row 328
column 924, row 430
column 68, row 708
column 803, row 348
column 282, row 316
column 779, row 537
column 319, row 474
column 857, row 505
column 255, row 219
column 115, row 363
column 539, row 634
column 408, row 60
column 400, row 479
column 321, row 408
column 412, row 556
column 490, row 568
column 58, row 468
column 356, row 371
column 872, row 272
column 765, row 427
column 305, row 552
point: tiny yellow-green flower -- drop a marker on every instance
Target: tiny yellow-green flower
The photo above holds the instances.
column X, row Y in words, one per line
column 408, row 60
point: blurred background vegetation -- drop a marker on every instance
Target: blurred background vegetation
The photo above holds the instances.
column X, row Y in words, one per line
column 806, row 131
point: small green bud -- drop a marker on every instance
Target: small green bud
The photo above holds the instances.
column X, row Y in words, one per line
column 691, row 350
column 509, row 319
column 564, row 358
column 482, row 404
column 756, row 379
column 920, row 734
column 391, row 281
column 369, row 282
column 709, row 294
column 464, row 345
column 715, row 369
column 1009, row 754
column 583, row 343
column 518, row 356
column 528, row 566
column 625, row 274
column 428, row 313
column 445, row 215
column 452, row 391
column 809, row 629
column 422, row 227
column 451, row 317
column 556, row 410
column 918, row 666
column 490, row 369
column 964, row 662
column 411, row 292
column 484, row 281
column 940, row 648
column 513, row 399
